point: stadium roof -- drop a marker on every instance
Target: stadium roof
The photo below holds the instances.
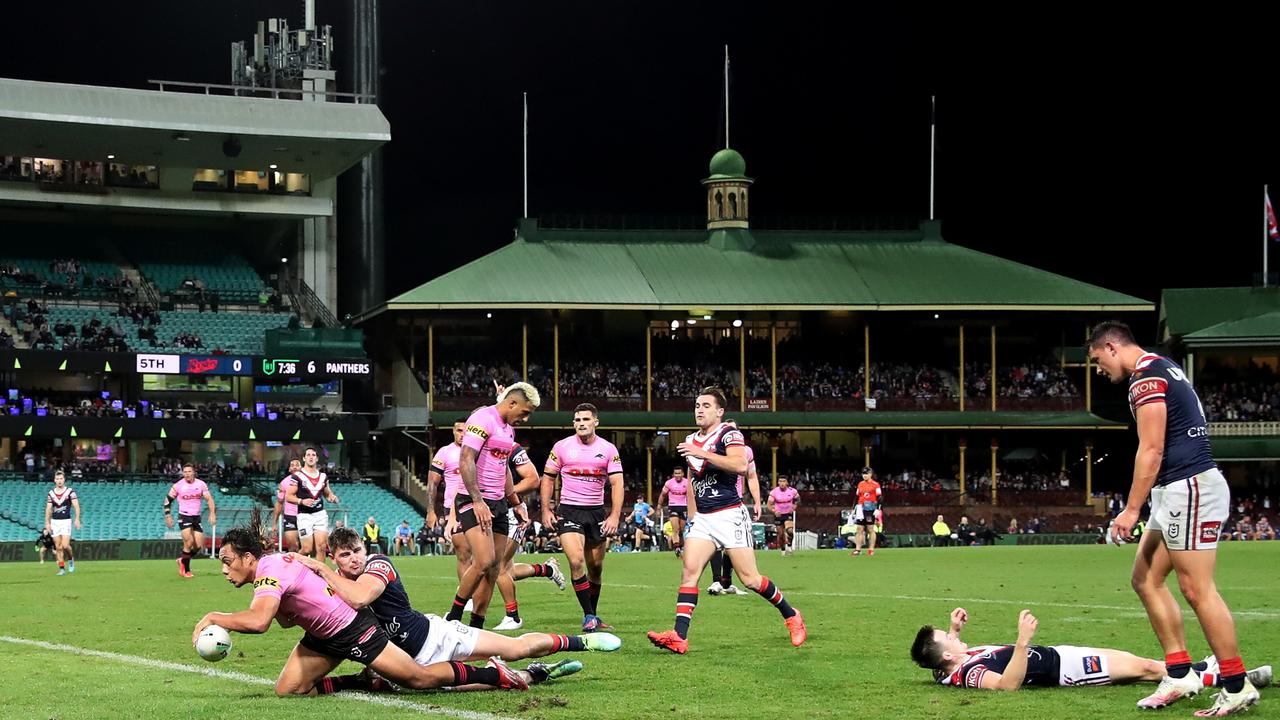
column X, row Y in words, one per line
column 950, row 420
column 1259, row 330
column 83, row 122
column 1187, row 311
column 784, row 270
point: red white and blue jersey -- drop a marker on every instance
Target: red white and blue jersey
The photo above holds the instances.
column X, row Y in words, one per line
column 60, row 500
column 1043, row 665
column 713, row 488
column 1186, row 435
column 406, row 626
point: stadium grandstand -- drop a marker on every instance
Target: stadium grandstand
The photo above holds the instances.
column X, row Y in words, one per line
column 170, row 295
column 839, row 344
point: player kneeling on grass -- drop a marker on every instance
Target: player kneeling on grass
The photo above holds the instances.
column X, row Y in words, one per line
column 1009, row 667
column 293, row 595
column 371, row 581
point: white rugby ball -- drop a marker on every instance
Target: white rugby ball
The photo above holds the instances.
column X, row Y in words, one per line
column 214, row 643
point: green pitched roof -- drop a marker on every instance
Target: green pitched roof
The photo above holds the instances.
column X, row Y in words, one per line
column 796, row 270
column 1186, row 310
column 1253, row 331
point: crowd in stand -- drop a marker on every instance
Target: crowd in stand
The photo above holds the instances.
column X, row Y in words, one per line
column 77, row 404
column 1252, row 394
column 1025, row 380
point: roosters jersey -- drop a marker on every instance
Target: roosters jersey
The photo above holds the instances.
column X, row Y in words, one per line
column 1186, row 435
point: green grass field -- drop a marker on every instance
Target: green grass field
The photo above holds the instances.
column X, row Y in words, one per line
column 862, row 614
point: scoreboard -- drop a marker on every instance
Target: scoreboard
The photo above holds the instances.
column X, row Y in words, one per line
column 283, row 369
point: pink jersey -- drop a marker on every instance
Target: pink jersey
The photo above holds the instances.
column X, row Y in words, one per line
column 446, row 463
column 492, row 439
column 677, row 492
column 742, row 479
column 305, row 599
column 784, row 501
column 583, row 469
column 190, row 495
column 289, row 508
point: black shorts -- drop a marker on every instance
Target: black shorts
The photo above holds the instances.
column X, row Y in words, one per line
column 584, row 521
column 46, row 543
column 784, row 519
column 681, row 512
column 290, row 523
column 190, row 521
column 361, row 641
column 467, row 518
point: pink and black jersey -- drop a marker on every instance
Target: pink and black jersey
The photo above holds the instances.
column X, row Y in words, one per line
column 61, row 502
column 492, row 439
column 305, row 599
column 713, row 488
column 784, row 501
column 1043, row 665
column 446, row 463
column 1186, row 435
column 190, row 496
column 289, row 509
column 677, row 492
column 583, row 469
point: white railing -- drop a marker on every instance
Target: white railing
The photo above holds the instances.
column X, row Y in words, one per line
column 1237, row 429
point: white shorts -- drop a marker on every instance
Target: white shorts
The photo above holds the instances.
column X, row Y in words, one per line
column 729, row 529
column 447, row 640
column 1189, row 514
column 513, row 530
column 315, row 522
column 60, row 528
column 1082, row 666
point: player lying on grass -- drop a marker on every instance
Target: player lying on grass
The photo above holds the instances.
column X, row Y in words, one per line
column 1009, row 667
column 371, row 581
column 293, row 595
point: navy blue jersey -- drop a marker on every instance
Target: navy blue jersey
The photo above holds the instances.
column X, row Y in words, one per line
column 406, row 626
column 309, row 487
column 1043, row 665
column 1186, row 433
column 61, row 502
column 713, row 488
column 519, row 456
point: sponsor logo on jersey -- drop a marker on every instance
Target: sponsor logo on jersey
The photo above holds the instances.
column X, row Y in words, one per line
column 477, row 431
column 266, row 582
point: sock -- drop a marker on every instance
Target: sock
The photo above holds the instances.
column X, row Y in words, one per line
column 1233, row 677
column 186, row 561
column 513, row 611
column 61, row 564
column 717, row 561
column 455, row 612
column 686, row 601
column 1177, row 665
column 466, row 675
column 1200, row 666
column 770, row 592
column 477, row 621
column 594, row 589
column 726, row 571
column 541, row 570
column 567, row 643
column 331, row 684
column 582, row 589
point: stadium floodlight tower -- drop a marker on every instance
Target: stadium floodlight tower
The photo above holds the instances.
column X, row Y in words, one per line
column 285, row 59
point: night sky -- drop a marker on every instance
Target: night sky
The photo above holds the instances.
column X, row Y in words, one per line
column 1102, row 149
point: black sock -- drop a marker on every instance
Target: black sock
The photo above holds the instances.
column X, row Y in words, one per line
column 1200, row 666
column 513, row 611
column 582, row 589
column 1178, row 671
column 186, row 561
column 332, row 684
column 594, row 590
column 770, row 592
column 469, row 674
column 726, row 571
column 717, row 561
column 686, row 601
column 455, row 612
column 568, row 643
column 477, row 621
